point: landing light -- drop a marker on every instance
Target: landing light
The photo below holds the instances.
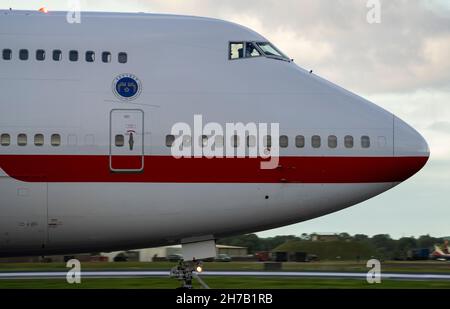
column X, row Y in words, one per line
column 199, row 269
column 43, row 10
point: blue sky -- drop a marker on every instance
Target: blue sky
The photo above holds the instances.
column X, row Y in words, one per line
column 402, row 64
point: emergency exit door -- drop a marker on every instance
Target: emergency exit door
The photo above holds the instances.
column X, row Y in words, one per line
column 127, row 141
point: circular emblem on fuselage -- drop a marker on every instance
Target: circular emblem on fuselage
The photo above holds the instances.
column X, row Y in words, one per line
column 127, row 87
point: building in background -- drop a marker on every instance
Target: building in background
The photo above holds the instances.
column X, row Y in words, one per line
column 171, row 252
column 324, row 237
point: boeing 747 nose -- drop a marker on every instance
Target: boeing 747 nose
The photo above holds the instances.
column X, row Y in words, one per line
column 410, row 147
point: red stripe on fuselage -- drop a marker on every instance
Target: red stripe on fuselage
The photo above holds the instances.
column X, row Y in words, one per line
column 166, row 169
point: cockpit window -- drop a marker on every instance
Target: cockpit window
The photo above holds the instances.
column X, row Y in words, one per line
column 251, row 50
column 241, row 50
column 270, row 50
column 237, row 50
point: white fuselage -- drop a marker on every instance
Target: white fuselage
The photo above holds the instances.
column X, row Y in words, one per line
column 69, row 197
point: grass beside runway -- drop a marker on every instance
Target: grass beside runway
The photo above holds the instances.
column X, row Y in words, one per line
column 429, row 267
column 223, row 283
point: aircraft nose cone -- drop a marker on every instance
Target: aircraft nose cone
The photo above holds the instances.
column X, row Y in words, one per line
column 411, row 150
column 408, row 142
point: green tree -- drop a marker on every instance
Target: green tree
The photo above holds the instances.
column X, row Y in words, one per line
column 360, row 237
column 403, row 245
column 426, row 241
column 344, row 236
column 384, row 246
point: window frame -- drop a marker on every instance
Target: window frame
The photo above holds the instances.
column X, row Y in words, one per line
column 56, row 52
column 119, row 57
column 186, row 141
column 333, row 138
column 52, row 142
column 317, row 137
column 281, row 57
column 7, row 51
column 366, row 138
column 235, row 141
column 89, row 56
column 3, row 137
column 303, row 144
column 21, row 136
column 36, row 140
column 346, row 138
column 219, row 141
column 251, row 141
column 229, row 50
column 119, row 140
column 108, row 55
column 282, row 139
column 267, row 141
column 244, row 50
column 170, row 140
column 40, row 52
column 74, row 52
column 24, row 52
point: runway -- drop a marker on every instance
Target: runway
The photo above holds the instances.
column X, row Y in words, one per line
column 143, row 274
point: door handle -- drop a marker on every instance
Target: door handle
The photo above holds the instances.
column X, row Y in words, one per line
column 131, row 141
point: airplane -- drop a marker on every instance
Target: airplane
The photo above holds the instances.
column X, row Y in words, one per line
column 87, row 141
column 441, row 254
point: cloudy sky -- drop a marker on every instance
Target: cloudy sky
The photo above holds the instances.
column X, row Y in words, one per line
column 402, row 64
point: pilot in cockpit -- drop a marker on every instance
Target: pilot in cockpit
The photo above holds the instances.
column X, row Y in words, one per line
column 249, row 50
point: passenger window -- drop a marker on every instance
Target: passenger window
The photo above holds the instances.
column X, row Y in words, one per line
column 267, row 141
column 119, row 140
column 22, row 139
column 251, row 141
column 73, row 55
column 348, row 141
column 5, row 139
column 40, row 55
column 218, row 141
column 7, row 54
column 284, row 141
column 235, row 141
column 170, row 139
column 316, row 141
column 23, row 54
column 365, row 142
column 187, row 141
column 55, row 140
column 90, row 56
column 39, row 140
column 332, row 141
column 57, row 55
column 123, row 57
column 300, row 141
column 203, row 142
column 236, row 50
column 106, row 57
